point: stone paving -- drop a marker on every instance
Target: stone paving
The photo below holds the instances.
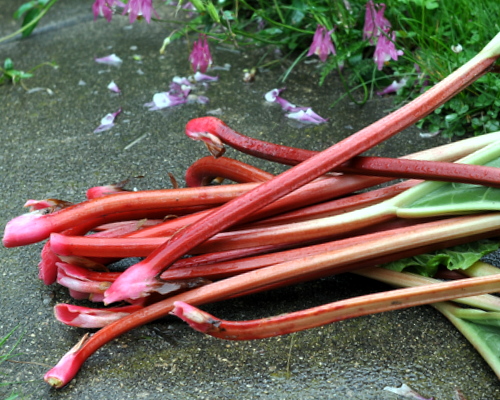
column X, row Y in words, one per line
column 48, row 149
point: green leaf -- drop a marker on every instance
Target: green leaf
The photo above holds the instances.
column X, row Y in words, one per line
column 30, row 16
column 455, row 197
column 457, row 257
column 24, row 9
column 8, row 65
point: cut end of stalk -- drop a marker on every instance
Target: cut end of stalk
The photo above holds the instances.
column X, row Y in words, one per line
column 67, row 367
column 25, row 229
column 201, row 128
column 197, row 319
column 54, row 382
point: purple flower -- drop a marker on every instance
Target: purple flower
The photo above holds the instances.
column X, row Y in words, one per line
column 393, row 87
column 375, row 22
column 386, row 49
column 200, row 57
column 105, row 8
column 137, row 8
column 322, row 43
column 107, row 122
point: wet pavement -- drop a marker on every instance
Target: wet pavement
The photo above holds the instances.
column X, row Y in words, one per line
column 48, row 149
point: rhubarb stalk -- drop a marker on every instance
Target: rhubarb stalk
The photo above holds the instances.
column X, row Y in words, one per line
column 134, row 282
column 64, row 371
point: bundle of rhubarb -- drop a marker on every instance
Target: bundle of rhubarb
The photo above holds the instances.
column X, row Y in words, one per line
column 325, row 215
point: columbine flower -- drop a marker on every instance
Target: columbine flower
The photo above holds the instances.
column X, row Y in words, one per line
column 200, row 57
column 112, row 59
column 386, row 49
column 375, row 22
column 137, row 8
column 393, row 87
column 105, row 8
column 322, row 44
column 107, row 122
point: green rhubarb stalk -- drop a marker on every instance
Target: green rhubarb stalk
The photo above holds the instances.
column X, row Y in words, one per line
column 480, row 328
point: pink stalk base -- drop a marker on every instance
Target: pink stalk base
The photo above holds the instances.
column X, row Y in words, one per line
column 27, row 228
column 34, row 227
column 67, row 367
column 91, row 318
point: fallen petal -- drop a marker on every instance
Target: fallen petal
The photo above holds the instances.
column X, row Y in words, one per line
column 272, row 95
column 114, row 87
column 406, row 391
column 307, row 116
column 112, row 59
column 199, row 77
column 107, row 122
column 164, row 100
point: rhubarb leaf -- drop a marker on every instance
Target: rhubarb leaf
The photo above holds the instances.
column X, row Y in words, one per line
column 450, row 198
column 457, row 257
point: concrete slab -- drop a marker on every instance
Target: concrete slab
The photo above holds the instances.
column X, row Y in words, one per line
column 48, row 149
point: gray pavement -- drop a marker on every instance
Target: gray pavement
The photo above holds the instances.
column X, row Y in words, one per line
column 48, row 149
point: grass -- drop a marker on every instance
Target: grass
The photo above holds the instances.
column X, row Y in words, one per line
column 5, row 356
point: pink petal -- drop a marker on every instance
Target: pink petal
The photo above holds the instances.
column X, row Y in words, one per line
column 114, row 87
column 112, row 59
column 199, row 76
column 307, row 116
column 107, row 122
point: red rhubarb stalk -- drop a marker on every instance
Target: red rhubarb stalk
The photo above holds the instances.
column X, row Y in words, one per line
column 33, row 227
column 134, row 282
column 65, row 370
column 202, row 174
column 333, row 312
column 206, row 169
